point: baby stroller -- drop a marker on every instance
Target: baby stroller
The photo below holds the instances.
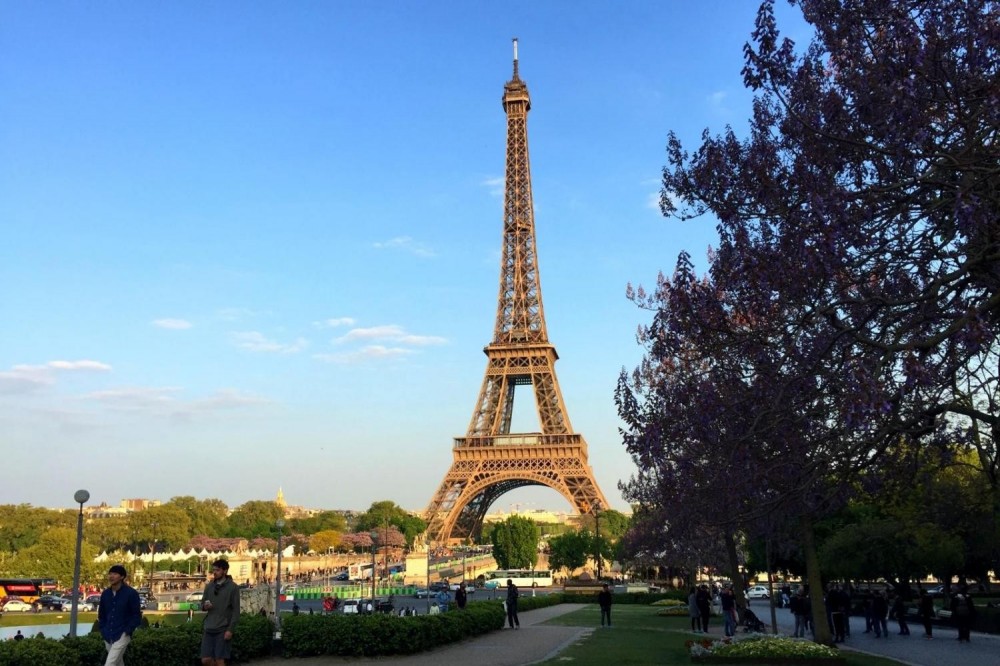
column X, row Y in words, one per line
column 752, row 623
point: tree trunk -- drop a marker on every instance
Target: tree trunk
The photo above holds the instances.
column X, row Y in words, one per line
column 821, row 628
column 734, row 574
column 770, row 585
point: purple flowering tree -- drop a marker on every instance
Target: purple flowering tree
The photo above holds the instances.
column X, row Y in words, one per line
column 854, row 299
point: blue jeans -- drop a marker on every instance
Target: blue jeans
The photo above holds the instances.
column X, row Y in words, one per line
column 730, row 618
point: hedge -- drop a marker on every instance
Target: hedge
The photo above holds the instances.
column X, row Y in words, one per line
column 377, row 634
column 163, row 646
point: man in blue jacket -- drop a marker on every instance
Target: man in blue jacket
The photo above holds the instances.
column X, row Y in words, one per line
column 118, row 616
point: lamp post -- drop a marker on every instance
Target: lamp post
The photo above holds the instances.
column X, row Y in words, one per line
column 597, row 537
column 152, row 564
column 280, row 524
column 385, row 546
column 374, row 536
column 80, row 497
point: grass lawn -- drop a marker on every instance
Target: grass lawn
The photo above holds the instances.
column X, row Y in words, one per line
column 40, row 619
column 84, row 620
column 640, row 636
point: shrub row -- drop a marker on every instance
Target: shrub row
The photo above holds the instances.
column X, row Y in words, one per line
column 164, row 646
column 377, row 635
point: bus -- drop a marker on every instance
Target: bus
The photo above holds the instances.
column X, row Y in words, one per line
column 521, row 578
column 45, row 585
column 24, row 588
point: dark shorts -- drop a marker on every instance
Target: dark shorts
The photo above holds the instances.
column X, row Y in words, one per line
column 215, row 646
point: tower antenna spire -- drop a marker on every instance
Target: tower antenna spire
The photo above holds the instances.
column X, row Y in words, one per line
column 515, row 56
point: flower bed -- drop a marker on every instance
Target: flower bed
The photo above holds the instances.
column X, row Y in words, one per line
column 764, row 650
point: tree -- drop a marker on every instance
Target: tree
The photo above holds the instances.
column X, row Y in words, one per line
column 385, row 511
column 207, row 516
column 515, row 543
column 324, row 541
column 320, row 522
column 169, row 525
column 855, row 280
column 254, row 518
column 54, row 555
column 21, row 525
column 569, row 550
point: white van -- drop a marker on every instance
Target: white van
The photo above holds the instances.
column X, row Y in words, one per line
column 194, row 596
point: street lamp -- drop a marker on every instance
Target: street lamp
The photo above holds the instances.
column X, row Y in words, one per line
column 280, row 524
column 374, row 536
column 152, row 564
column 80, row 497
column 597, row 537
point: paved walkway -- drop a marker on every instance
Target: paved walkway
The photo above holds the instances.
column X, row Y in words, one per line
column 530, row 644
column 915, row 650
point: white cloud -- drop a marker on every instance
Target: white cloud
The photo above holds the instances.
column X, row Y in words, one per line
column 79, row 365
column 257, row 342
column 392, row 333
column 28, row 378
column 717, row 102
column 135, row 398
column 173, row 324
column 16, row 382
column 166, row 401
column 364, row 354
column 495, row 186
column 406, row 244
column 335, row 322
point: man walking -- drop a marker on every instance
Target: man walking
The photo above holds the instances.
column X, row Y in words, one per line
column 604, row 601
column 512, row 605
column 221, row 601
column 118, row 615
column 461, row 596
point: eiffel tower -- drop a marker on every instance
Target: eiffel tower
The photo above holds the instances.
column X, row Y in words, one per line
column 491, row 460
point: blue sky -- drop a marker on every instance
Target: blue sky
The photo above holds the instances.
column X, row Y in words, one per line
column 257, row 244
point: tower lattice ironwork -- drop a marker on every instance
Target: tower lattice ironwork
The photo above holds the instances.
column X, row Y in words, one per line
column 491, row 460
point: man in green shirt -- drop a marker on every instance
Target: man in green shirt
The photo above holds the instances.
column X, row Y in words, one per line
column 221, row 602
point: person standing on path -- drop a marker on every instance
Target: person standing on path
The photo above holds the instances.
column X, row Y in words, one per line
column 879, row 611
column 704, row 601
column 963, row 613
column 604, row 601
column 512, row 605
column 927, row 613
column 693, row 611
column 118, row 615
column 221, row 602
column 727, row 603
column 899, row 610
column 461, row 596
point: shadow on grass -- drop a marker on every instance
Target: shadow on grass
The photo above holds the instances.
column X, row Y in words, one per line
column 640, row 636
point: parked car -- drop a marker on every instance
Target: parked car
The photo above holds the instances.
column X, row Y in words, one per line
column 65, row 605
column 350, row 607
column 757, row 592
column 422, row 593
column 49, row 601
column 13, row 605
column 194, row 596
column 343, row 575
column 94, row 599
